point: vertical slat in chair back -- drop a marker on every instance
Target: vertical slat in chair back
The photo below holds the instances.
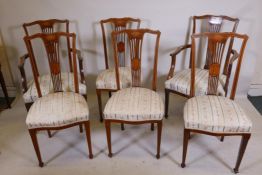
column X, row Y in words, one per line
column 118, row 24
column 135, row 42
column 51, row 44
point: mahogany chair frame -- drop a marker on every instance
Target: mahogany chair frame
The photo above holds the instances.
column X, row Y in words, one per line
column 214, row 76
column 135, row 40
column 51, row 42
column 117, row 25
column 211, row 28
column 48, row 27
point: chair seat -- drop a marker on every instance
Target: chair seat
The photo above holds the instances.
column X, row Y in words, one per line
column 134, row 104
column 107, row 78
column 46, row 86
column 215, row 114
column 181, row 82
column 57, row 109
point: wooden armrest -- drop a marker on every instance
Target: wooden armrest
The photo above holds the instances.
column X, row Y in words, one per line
column 179, row 49
column 22, row 71
column 173, row 56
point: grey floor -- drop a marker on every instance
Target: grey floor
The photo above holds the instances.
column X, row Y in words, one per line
column 134, row 149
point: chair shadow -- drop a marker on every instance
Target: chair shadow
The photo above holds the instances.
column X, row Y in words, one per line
column 69, row 145
column 125, row 134
column 209, row 152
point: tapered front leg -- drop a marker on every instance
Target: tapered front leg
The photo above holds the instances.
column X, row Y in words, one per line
column 242, row 149
column 80, row 128
column 108, row 134
column 152, row 127
column 49, row 133
column 122, row 126
column 185, row 144
column 99, row 99
column 32, row 133
column 88, row 138
column 159, row 133
column 222, row 138
column 166, row 102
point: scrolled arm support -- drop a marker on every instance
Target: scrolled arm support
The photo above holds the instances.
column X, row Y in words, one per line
column 173, row 57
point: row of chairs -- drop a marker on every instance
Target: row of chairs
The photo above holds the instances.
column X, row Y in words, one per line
column 58, row 100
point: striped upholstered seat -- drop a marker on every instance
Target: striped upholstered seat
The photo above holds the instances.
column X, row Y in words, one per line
column 57, row 109
column 134, row 104
column 181, row 82
column 107, row 78
column 46, row 86
column 215, row 114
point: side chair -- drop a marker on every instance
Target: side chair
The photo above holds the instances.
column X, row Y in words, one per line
column 29, row 88
column 60, row 109
column 211, row 114
column 135, row 105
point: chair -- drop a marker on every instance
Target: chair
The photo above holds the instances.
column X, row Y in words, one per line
column 201, row 24
column 134, row 105
column 29, row 90
column 60, row 109
column 106, row 80
column 211, row 114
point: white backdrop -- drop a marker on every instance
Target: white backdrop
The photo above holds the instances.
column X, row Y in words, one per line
column 171, row 17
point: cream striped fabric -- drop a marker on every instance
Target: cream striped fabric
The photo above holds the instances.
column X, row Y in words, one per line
column 107, row 78
column 46, row 86
column 215, row 114
column 181, row 81
column 57, row 109
column 223, row 79
column 134, row 104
